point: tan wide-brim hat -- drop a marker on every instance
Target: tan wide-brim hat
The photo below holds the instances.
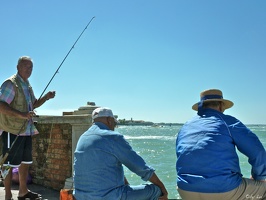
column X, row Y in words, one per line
column 213, row 95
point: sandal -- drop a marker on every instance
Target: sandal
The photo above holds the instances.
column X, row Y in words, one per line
column 31, row 195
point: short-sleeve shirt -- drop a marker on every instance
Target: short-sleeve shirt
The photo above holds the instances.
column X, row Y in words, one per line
column 7, row 94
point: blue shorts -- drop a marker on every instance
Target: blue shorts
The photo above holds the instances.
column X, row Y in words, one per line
column 21, row 152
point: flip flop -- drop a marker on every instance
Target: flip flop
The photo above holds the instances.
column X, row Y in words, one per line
column 31, row 195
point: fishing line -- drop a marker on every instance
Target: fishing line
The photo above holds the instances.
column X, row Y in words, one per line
column 3, row 158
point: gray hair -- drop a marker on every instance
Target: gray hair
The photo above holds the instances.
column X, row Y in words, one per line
column 22, row 58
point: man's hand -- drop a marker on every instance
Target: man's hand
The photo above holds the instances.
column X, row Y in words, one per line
column 28, row 115
column 39, row 102
column 50, row 95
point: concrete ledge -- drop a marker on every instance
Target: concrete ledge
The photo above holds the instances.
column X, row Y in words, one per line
column 71, row 119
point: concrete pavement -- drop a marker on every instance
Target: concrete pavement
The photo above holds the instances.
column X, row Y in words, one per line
column 46, row 193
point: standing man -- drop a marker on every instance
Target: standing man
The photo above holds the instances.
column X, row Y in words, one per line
column 98, row 160
column 207, row 162
column 17, row 104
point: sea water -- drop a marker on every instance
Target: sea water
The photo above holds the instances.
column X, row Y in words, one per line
column 157, row 146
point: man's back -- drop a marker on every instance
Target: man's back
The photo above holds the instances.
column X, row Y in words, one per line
column 97, row 169
column 206, row 155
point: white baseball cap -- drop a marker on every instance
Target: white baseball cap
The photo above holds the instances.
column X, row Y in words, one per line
column 103, row 112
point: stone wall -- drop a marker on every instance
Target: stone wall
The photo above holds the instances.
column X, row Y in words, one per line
column 52, row 155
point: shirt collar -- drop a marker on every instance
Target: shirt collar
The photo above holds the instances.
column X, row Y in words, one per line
column 21, row 79
column 101, row 125
column 207, row 110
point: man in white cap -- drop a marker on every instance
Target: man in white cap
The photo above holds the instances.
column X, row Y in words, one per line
column 207, row 162
column 98, row 160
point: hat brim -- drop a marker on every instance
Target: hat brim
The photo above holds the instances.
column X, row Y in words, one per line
column 227, row 103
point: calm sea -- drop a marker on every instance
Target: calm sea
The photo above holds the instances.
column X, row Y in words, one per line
column 157, row 146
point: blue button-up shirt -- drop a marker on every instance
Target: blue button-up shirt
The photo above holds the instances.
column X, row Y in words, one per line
column 98, row 160
column 207, row 160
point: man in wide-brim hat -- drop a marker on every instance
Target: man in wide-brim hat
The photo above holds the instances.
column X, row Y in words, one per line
column 207, row 162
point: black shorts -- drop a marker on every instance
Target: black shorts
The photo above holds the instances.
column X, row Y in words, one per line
column 21, row 152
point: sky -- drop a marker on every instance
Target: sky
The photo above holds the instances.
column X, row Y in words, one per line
column 146, row 60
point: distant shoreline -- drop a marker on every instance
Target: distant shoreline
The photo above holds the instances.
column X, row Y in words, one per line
column 144, row 123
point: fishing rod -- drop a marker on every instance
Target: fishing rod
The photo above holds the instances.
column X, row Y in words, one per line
column 3, row 158
column 66, row 57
